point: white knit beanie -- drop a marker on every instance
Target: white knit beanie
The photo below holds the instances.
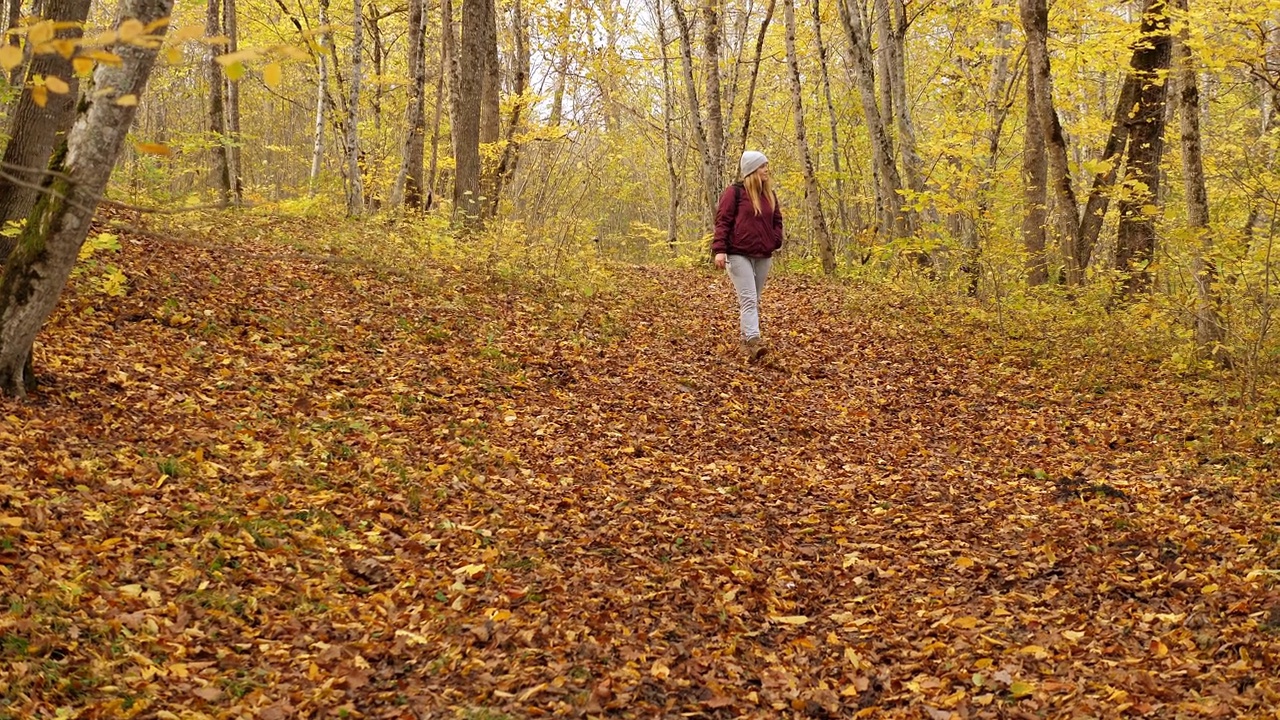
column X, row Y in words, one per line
column 751, row 161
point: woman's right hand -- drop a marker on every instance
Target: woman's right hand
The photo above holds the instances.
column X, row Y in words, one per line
column 721, row 259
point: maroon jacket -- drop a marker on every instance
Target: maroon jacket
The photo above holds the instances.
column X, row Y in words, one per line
column 739, row 231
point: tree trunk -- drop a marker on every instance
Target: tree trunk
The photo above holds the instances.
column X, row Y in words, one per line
column 35, row 131
column 235, row 169
column 490, row 114
column 892, row 216
column 322, row 98
column 511, row 148
column 355, row 183
column 408, row 187
column 709, row 189
column 842, row 210
column 711, row 73
column 912, row 165
column 556, row 115
column 217, row 107
column 446, row 47
column 466, row 129
column 378, row 54
column 1035, row 23
column 812, row 198
column 880, row 20
column 1000, row 94
column 15, row 14
column 755, row 72
column 1035, row 178
column 668, row 110
column 1209, row 332
column 37, row 271
column 1136, row 231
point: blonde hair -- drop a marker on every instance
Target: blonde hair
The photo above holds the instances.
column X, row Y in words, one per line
column 760, row 187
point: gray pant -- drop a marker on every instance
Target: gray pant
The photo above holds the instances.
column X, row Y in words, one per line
column 748, row 275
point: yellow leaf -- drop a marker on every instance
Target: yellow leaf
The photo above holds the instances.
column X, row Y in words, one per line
column 65, row 48
column 964, row 563
column 153, row 149
column 40, row 33
column 173, row 55
column 130, row 30
column 56, row 84
column 102, row 39
column 239, row 56
column 271, row 75
column 1072, row 635
column 39, row 94
column 1209, row 589
column 127, row 100
column 187, row 32
column 790, row 619
column 1020, row 689
column 849, row 559
column 10, row 57
column 8, row 521
column 659, row 670
column 82, row 65
column 155, row 25
column 469, row 570
column 1036, row 651
column 132, row 590
column 104, row 57
column 968, row 622
column 235, row 71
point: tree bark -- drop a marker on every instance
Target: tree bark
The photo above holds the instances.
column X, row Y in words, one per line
column 408, row 187
column 1136, row 231
column 466, row 128
column 755, row 72
column 14, row 14
column 511, row 147
column 217, row 107
column 446, row 47
column 1035, row 178
column 490, row 115
column 355, row 183
column 35, row 131
column 322, row 100
column 893, row 217
column 235, row 167
column 1209, row 329
column 709, row 189
column 812, row 198
column 842, row 210
column 37, row 271
column 1000, row 94
column 711, row 73
column 1035, row 23
column 668, row 110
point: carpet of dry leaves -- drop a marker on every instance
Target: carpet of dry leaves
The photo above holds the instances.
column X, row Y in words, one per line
column 265, row 484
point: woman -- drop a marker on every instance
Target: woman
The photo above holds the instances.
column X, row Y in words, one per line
column 748, row 231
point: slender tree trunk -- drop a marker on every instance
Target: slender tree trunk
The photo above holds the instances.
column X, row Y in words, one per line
column 408, row 188
column 378, row 55
column 35, row 131
column 735, row 76
column 217, row 107
column 355, row 183
column 709, row 189
column 715, row 116
column 446, row 47
column 1136, row 232
column 490, row 115
column 1209, row 332
column 842, row 209
column 755, row 72
column 668, row 110
column 1035, row 178
column 1035, row 23
column 999, row 100
column 880, row 20
column 233, row 106
column 556, row 115
column 14, row 14
column 37, row 271
column 466, row 129
column 1095, row 209
column 511, row 147
column 322, row 98
column 912, row 165
column 893, row 218
column 812, row 197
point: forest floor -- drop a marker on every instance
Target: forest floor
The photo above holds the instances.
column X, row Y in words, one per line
column 266, row 483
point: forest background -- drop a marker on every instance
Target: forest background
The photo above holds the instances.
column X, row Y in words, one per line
column 1058, row 161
